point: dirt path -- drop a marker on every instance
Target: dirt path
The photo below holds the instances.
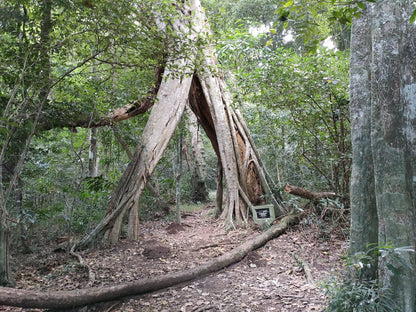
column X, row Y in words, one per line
column 269, row 279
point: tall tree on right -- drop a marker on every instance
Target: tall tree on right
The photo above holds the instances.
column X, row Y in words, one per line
column 383, row 122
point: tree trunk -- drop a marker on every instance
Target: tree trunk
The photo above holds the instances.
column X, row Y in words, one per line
column 167, row 111
column 178, row 174
column 220, row 192
column 246, row 179
column 385, row 127
column 93, row 156
column 83, row 297
column 364, row 219
column 199, row 191
column 6, row 276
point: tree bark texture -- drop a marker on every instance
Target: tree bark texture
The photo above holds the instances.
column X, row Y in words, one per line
column 383, row 115
column 83, row 297
column 364, row 219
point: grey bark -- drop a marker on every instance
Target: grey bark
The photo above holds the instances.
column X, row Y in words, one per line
column 364, row 219
column 93, row 156
column 384, row 115
column 199, row 191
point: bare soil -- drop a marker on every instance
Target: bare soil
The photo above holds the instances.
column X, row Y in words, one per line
column 268, row 279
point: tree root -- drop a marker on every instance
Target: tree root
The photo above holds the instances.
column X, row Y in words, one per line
column 305, row 266
column 82, row 297
column 91, row 275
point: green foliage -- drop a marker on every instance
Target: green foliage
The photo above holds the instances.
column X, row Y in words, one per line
column 359, row 297
column 359, row 292
column 314, row 21
column 297, row 107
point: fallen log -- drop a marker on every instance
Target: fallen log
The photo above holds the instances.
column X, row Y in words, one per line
column 60, row 300
column 304, row 193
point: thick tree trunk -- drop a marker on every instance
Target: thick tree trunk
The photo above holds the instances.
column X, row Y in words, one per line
column 246, row 179
column 393, row 141
column 385, row 120
column 364, row 219
column 83, row 297
column 168, row 111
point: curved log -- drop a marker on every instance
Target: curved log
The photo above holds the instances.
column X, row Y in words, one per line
column 82, row 297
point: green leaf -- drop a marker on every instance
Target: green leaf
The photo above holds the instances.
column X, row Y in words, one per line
column 289, row 4
column 393, row 269
column 413, row 17
column 361, row 5
column 273, row 31
column 269, row 42
column 285, row 25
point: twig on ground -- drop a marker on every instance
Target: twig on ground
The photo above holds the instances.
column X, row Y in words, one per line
column 305, row 266
column 206, row 308
column 91, row 275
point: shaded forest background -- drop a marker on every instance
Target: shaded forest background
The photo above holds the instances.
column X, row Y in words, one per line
column 66, row 66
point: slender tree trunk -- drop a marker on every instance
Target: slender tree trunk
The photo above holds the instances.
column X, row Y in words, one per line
column 199, row 191
column 178, row 174
column 220, row 191
column 6, row 276
column 93, row 156
column 13, row 147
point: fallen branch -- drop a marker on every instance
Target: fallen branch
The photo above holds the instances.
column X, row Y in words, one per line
column 91, row 275
column 210, row 246
column 305, row 266
column 304, row 193
column 82, row 297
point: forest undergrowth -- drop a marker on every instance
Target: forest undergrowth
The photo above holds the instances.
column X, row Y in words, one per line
column 289, row 273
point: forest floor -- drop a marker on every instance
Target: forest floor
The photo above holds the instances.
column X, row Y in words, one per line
column 268, row 279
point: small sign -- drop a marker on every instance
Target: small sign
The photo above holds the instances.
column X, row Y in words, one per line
column 263, row 214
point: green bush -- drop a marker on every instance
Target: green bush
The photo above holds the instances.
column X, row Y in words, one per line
column 359, row 296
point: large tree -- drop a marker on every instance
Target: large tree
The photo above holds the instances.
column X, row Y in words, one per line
column 247, row 181
column 383, row 118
